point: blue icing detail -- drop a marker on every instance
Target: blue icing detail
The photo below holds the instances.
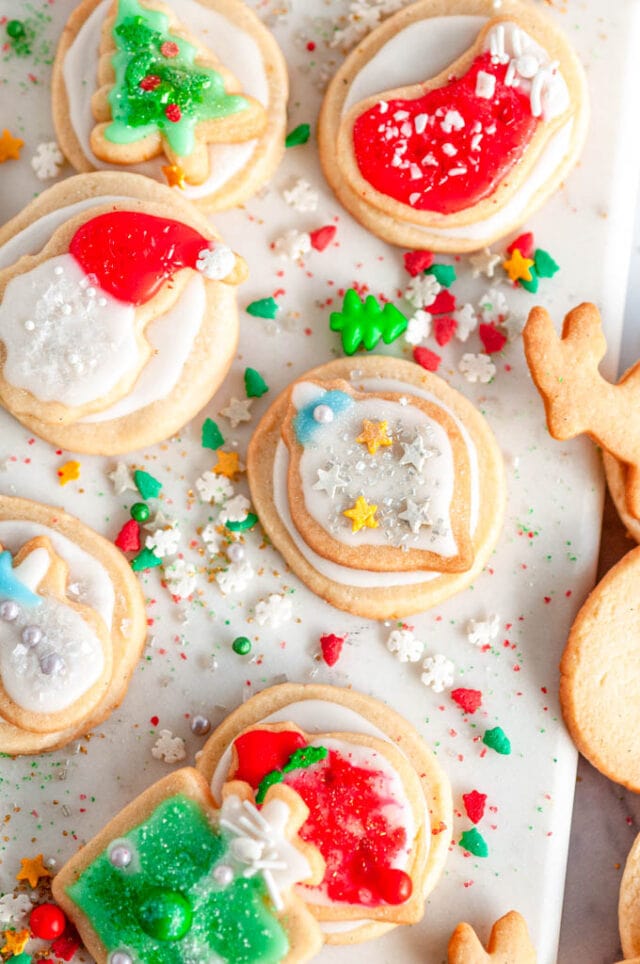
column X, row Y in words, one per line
column 12, row 588
column 305, row 425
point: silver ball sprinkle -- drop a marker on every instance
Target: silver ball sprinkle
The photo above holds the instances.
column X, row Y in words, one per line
column 9, row 610
column 51, row 663
column 120, row 856
column 235, row 552
column 120, row 957
column 32, row 635
column 323, row 414
column 200, row 725
column 223, row 875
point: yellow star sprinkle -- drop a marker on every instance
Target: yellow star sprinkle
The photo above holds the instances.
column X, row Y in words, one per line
column 10, row 147
column 174, row 175
column 32, row 870
column 228, row 464
column 374, row 435
column 362, row 515
column 69, row 472
column 518, row 267
column 15, row 942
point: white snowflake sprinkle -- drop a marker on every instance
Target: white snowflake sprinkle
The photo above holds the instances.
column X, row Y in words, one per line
column 168, row 748
column 214, row 488
column 274, row 611
column 235, row 510
column 293, row 245
column 513, row 326
column 439, row 672
column 419, row 327
column 14, row 908
column 477, row 368
column 181, row 578
column 216, row 263
column 212, row 539
column 422, row 290
column 493, row 306
column 466, row 321
column 47, row 160
column 236, row 577
column 404, row 644
column 482, row 632
column 301, row 196
column 164, row 542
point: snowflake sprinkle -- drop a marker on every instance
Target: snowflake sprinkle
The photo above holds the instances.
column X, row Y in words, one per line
column 47, row 160
column 477, row 368
column 168, row 748
column 481, row 632
column 404, row 644
column 301, row 196
column 274, row 611
column 438, row 673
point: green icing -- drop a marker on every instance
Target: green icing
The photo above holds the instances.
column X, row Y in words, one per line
column 176, row 850
column 197, row 92
column 300, row 759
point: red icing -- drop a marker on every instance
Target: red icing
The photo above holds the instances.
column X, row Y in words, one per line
column 322, row 237
column 444, row 303
column 474, row 804
column 261, row 751
column 132, row 254
column 504, row 121
column 444, row 329
column 524, row 243
column 417, row 261
column 467, row 700
column 492, row 339
column 331, row 648
column 427, row 358
column 128, row 539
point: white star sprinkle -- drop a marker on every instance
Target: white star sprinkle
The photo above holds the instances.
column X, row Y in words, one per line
column 416, row 453
column 416, row 515
column 237, row 410
column 485, row 262
column 122, row 479
column 330, row 481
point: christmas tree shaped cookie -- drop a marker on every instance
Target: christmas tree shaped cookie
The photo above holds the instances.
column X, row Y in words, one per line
column 382, row 487
column 88, row 325
column 453, row 156
column 174, row 879
column 193, row 96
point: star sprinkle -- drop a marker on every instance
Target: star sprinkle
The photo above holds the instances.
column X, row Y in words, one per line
column 237, row 410
column 362, row 515
column 168, row 748
column 404, row 644
column 228, row 464
column 438, row 673
column 477, row 368
column 15, row 941
column 68, row 472
column 485, row 262
column 374, row 435
column 274, row 611
column 47, row 160
column 121, row 479
column 174, row 175
column 482, row 632
column 416, row 453
column 330, row 480
column 416, row 515
column 10, row 147
column 517, row 267
column 32, row 870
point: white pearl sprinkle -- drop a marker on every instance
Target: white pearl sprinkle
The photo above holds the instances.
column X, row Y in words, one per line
column 235, row 552
column 29, row 325
column 323, row 414
column 223, row 875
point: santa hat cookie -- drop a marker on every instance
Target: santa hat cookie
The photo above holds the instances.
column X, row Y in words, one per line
column 94, row 275
column 450, row 124
column 72, row 627
column 379, row 806
column 192, row 94
column 383, row 488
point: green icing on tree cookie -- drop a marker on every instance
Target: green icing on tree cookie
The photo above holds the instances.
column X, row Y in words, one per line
column 158, row 86
column 167, row 907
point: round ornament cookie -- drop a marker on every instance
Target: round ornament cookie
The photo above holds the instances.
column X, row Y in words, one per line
column 450, row 123
column 382, row 486
column 629, row 905
column 599, row 688
column 190, row 93
column 380, row 809
column 72, row 627
column 118, row 317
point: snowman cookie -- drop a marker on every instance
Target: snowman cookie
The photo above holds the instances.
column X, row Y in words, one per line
column 175, row 878
column 192, row 94
column 381, row 486
column 117, row 313
column 379, row 804
column 451, row 123
column 72, row 627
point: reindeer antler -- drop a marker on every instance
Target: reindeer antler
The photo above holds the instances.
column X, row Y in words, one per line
column 576, row 397
column 509, row 943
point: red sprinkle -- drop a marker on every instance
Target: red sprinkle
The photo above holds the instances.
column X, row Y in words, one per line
column 467, row 700
column 524, row 243
column 331, row 648
column 474, row 804
column 66, row 946
column 173, row 113
column 322, row 237
column 417, row 261
column 445, row 303
column 492, row 339
column 128, row 539
column 444, row 329
column 150, row 82
column 427, row 358
column 47, row 921
column 169, row 49
column 154, row 720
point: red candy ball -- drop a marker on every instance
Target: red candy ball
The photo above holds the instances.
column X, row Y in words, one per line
column 47, row 921
column 394, row 886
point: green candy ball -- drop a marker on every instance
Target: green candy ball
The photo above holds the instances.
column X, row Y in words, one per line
column 241, row 645
column 140, row 512
column 165, row 915
column 16, row 29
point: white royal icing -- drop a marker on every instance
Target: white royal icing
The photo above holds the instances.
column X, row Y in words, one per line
column 171, row 336
column 235, row 48
column 425, row 48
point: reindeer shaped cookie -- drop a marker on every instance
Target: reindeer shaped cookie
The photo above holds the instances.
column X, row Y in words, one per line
column 509, row 943
column 577, row 398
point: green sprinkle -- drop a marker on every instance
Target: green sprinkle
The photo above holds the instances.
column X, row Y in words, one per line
column 211, row 435
column 241, row 645
column 263, row 308
column 23, row 958
column 365, row 323
column 498, row 740
column 147, row 486
column 299, row 135
column 530, row 286
column 140, row 511
column 16, row 29
column 544, row 264
column 445, row 274
column 254, row 384
column 146, row 559
column 247, row 523
column 473, row 841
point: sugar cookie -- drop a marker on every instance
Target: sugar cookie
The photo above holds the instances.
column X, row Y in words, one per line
column 381, row 486
column 509, row 943
column 326, row 743
column 450, row 123
column 93, row 275
column 192, row 94
column 629, row 904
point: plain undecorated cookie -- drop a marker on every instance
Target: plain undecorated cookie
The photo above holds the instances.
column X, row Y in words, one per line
column 509, row 943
